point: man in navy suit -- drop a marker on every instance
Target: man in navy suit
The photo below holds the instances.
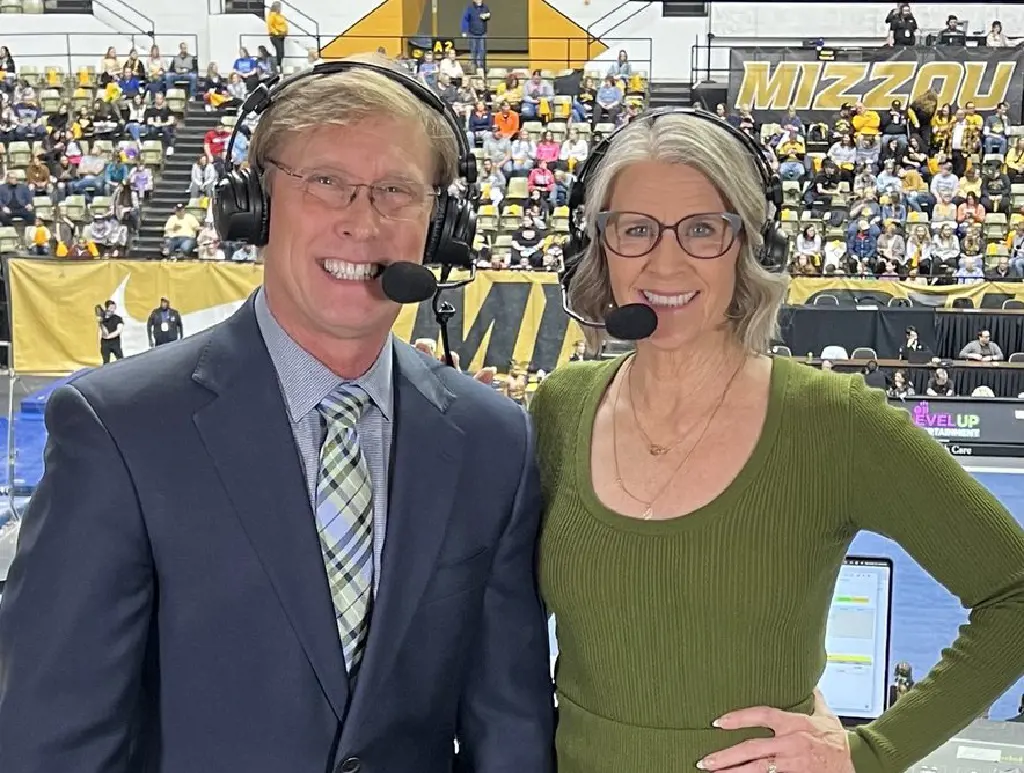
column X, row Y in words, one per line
column 178, row 601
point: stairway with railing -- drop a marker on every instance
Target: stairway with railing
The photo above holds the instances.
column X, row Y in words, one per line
column 615, row 18
column 301, row 26
column 122, row 18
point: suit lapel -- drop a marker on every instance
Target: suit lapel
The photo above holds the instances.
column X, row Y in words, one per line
column 247, row 433
column 425, row 461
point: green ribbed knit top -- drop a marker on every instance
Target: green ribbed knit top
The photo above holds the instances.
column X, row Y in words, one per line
column 663, row 626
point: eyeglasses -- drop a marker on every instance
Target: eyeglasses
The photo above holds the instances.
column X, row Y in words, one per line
column 393, row 200
column 703, row 236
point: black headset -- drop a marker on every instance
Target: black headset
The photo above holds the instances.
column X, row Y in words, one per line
column 242, row 208
column 774, row 250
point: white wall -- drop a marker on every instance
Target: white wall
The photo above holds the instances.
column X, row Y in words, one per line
column 41, row 40
column 660, row 45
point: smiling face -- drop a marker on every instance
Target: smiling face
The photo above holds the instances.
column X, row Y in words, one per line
column 324, row 255
column 668, row 275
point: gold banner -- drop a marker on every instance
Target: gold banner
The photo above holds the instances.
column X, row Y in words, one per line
column 981, row 295
column 499, row 318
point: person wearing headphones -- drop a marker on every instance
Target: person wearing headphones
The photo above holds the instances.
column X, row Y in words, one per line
column 700, row 496
column 291, row 542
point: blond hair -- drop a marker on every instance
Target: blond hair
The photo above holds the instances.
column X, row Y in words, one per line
column 348, row 97
column 752, row 315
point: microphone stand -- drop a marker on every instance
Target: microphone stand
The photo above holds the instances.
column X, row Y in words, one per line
column 443, row 313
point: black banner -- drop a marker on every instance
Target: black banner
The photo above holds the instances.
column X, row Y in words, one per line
column 769, row 81
column 970, row 427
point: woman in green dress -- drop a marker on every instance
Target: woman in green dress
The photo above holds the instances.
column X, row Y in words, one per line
column 701, row 496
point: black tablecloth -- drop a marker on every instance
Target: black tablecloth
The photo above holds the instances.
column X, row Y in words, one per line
column 954, row 329
column 1004, row 382
column 809, row 329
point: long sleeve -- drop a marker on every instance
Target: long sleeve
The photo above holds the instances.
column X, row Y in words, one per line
column 951, row 525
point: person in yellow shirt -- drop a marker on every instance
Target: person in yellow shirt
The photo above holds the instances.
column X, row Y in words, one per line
column 975, row 125
column 277, row 29
column 941, row 123
column 970, row 183
column 865, row 121
column 1015, row 162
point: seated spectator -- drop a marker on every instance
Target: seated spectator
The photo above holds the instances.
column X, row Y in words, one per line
column 969, row 273
column 214, row 87
column 115, row 174
column 89, row 180
column 136, row 65
column 945, row 249
column 891, row 150
column 901, row 387
column 209, row 247
column 106, row 233
column 28, row 117
column 541, row 179
column 82, row 249
column 888, row 181
column 183, row 68
column 995, row 191
column 15, row 201
column 451, row 67
column 944, row 213
column 574, row 151
column 560, row 193
column 510, row 91
column 1015, row 161
column 141, row 181
column 136, row 125
column 524, row 152
column 37, row 177
column 246, row 67
column 808, row 244
column 7, row 124
column 895, row 126
column 801, row 265
column 129, row 84
column 915, row 158
column 527, row 246
column 1002, row 271
column 204, row 179
column 547, row 149
column 969, row 212
column 893, row 208
column 38, row 239
column 161, row 123
column 82, row 128
column 537, row 96
column 892, row 247
column 864, row 121
column 266, row 64
column 621, row 69
column 608, row 102
column 180, row 233
column 862, row 245
column 915, row 192
column 868, row 149
column 864, row 179
column 480, row 124
column 993, row 140
column 428, row 70
column 844, row 156
column 823, row 188
column 499, row 151
column 866, row 208
column 583, row 103
column 156, row 72
column 110, row 67
column 506, row 122
column 971, row 246
column 918, row 248
column 107, row 121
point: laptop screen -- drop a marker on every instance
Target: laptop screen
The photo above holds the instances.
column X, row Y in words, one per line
column 855, row 682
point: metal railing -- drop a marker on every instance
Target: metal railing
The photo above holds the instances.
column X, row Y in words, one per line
column 592, row 30
column 140, row 23
column 73, row 51
column 543, row 53
column 312, row 30
column 712, row 56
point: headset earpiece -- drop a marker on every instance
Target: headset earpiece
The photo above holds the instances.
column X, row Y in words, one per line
column 241, row 210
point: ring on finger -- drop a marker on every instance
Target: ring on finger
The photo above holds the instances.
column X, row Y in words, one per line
column 771, row 765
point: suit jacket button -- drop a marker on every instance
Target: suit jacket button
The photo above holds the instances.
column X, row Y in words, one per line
column 350, row 765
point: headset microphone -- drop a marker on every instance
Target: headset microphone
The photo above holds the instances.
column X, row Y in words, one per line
column 632, row 322
column 405, row 282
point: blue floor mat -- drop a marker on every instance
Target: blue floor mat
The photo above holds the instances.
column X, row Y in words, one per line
column 925, row 615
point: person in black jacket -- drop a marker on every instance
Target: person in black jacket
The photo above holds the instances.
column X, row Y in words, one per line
column 474, row 27
column 902, row 26
column 164, row 324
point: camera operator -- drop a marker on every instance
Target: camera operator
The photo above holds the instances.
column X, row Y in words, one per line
column 902, row 26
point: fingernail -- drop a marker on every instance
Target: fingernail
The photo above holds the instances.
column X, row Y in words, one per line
column 702, row 764
column 717, row 723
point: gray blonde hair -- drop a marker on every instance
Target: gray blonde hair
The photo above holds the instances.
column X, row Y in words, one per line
column 682, row 139
column 348, row 97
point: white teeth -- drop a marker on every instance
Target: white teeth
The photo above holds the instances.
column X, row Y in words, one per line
column 342, row 269
column 668, row 300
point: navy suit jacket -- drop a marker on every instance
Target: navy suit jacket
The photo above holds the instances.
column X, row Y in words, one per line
column 168, row 607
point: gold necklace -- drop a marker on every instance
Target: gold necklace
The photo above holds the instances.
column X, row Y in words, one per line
column 654, row 449
column 649, row 503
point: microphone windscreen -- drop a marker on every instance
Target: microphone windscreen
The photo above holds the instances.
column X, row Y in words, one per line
column 632, row 322
column 405, row 282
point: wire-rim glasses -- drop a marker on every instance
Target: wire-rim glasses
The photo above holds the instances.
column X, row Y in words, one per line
column 391, row 199
column 704, row 236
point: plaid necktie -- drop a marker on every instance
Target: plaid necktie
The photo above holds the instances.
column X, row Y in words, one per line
column 344, row 515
